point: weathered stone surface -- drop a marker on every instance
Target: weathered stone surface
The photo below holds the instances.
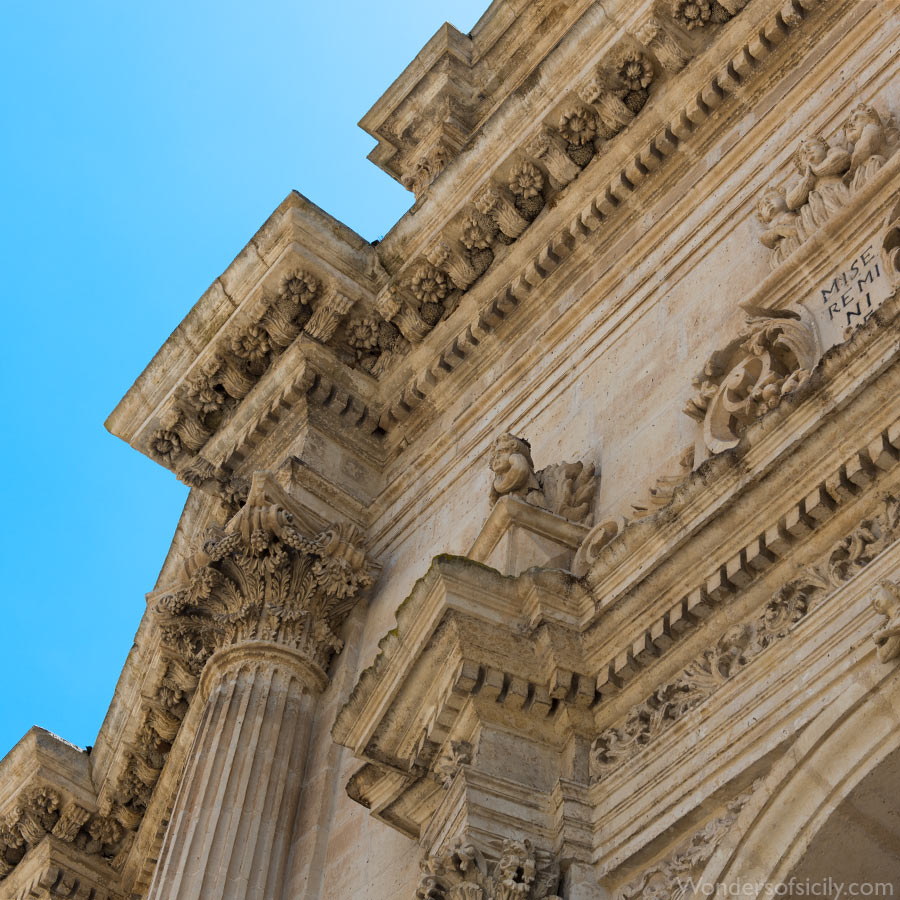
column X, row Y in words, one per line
column 408, row 642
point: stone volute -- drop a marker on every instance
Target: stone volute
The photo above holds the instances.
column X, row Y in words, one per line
column 256, row 617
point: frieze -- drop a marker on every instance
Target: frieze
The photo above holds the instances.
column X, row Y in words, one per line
column 742, row 643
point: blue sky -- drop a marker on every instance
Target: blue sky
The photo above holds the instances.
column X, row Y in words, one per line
column 143, row 145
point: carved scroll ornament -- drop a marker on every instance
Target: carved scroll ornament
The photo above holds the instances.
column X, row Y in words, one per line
column 772, row 356
column 566, row 489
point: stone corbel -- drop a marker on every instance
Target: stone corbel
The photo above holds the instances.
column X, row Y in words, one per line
column 332, row 307
column 395, row 304
column 548, row 148
column 669, row 50
column 444, row 255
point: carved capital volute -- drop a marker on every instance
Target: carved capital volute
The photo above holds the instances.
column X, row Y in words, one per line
column 270, row 580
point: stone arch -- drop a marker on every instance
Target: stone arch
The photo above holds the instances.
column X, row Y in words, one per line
column 857, row 734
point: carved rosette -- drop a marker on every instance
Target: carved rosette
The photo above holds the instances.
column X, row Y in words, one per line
column 772, row 356
column 263, row 580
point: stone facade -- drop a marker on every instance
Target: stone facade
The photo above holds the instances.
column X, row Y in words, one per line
column 551, row 546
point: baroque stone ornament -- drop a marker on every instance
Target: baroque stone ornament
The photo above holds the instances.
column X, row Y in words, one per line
column 668, row 878
column 742, row 643
column 829, row 174
column 566, row 489
column 772, row 356
column 43, row 811
column 263, row 579
column 462, row 873
column 886, row 602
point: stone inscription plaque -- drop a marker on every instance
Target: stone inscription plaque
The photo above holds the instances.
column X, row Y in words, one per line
column 849, row 296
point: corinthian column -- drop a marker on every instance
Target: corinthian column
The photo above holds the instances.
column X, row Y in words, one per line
column 257, row 615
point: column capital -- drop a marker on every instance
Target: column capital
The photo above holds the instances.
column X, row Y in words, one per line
column 271, row 578
column 261, row 654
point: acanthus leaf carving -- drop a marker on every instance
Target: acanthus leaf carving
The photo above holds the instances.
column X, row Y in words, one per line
column 566, row 489
column 262, row 579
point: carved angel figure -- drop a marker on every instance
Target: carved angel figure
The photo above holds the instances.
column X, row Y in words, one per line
column 514, row 470
column 886, row 601
column 566, row 489
column 866, row 132
column 820, row 190
column 780, row 233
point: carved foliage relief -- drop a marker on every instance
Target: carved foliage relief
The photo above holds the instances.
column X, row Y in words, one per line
column 462, row 873
column 742, row 643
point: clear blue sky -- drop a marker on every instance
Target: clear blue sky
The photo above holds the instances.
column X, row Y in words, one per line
column 143, row 145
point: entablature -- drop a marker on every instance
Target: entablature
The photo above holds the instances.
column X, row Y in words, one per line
column 581, row 671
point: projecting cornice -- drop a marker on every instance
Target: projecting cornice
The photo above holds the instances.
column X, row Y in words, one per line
column 307, row 315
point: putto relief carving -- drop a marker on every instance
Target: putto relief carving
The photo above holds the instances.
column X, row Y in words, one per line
column 829, row 173
column 886, row 602
column 263, row 579
column 566, row 489
column 462, row 872
column 772, row 356
column 744, row 642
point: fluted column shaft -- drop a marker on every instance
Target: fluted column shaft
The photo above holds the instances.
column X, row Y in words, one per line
column 230, row 830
